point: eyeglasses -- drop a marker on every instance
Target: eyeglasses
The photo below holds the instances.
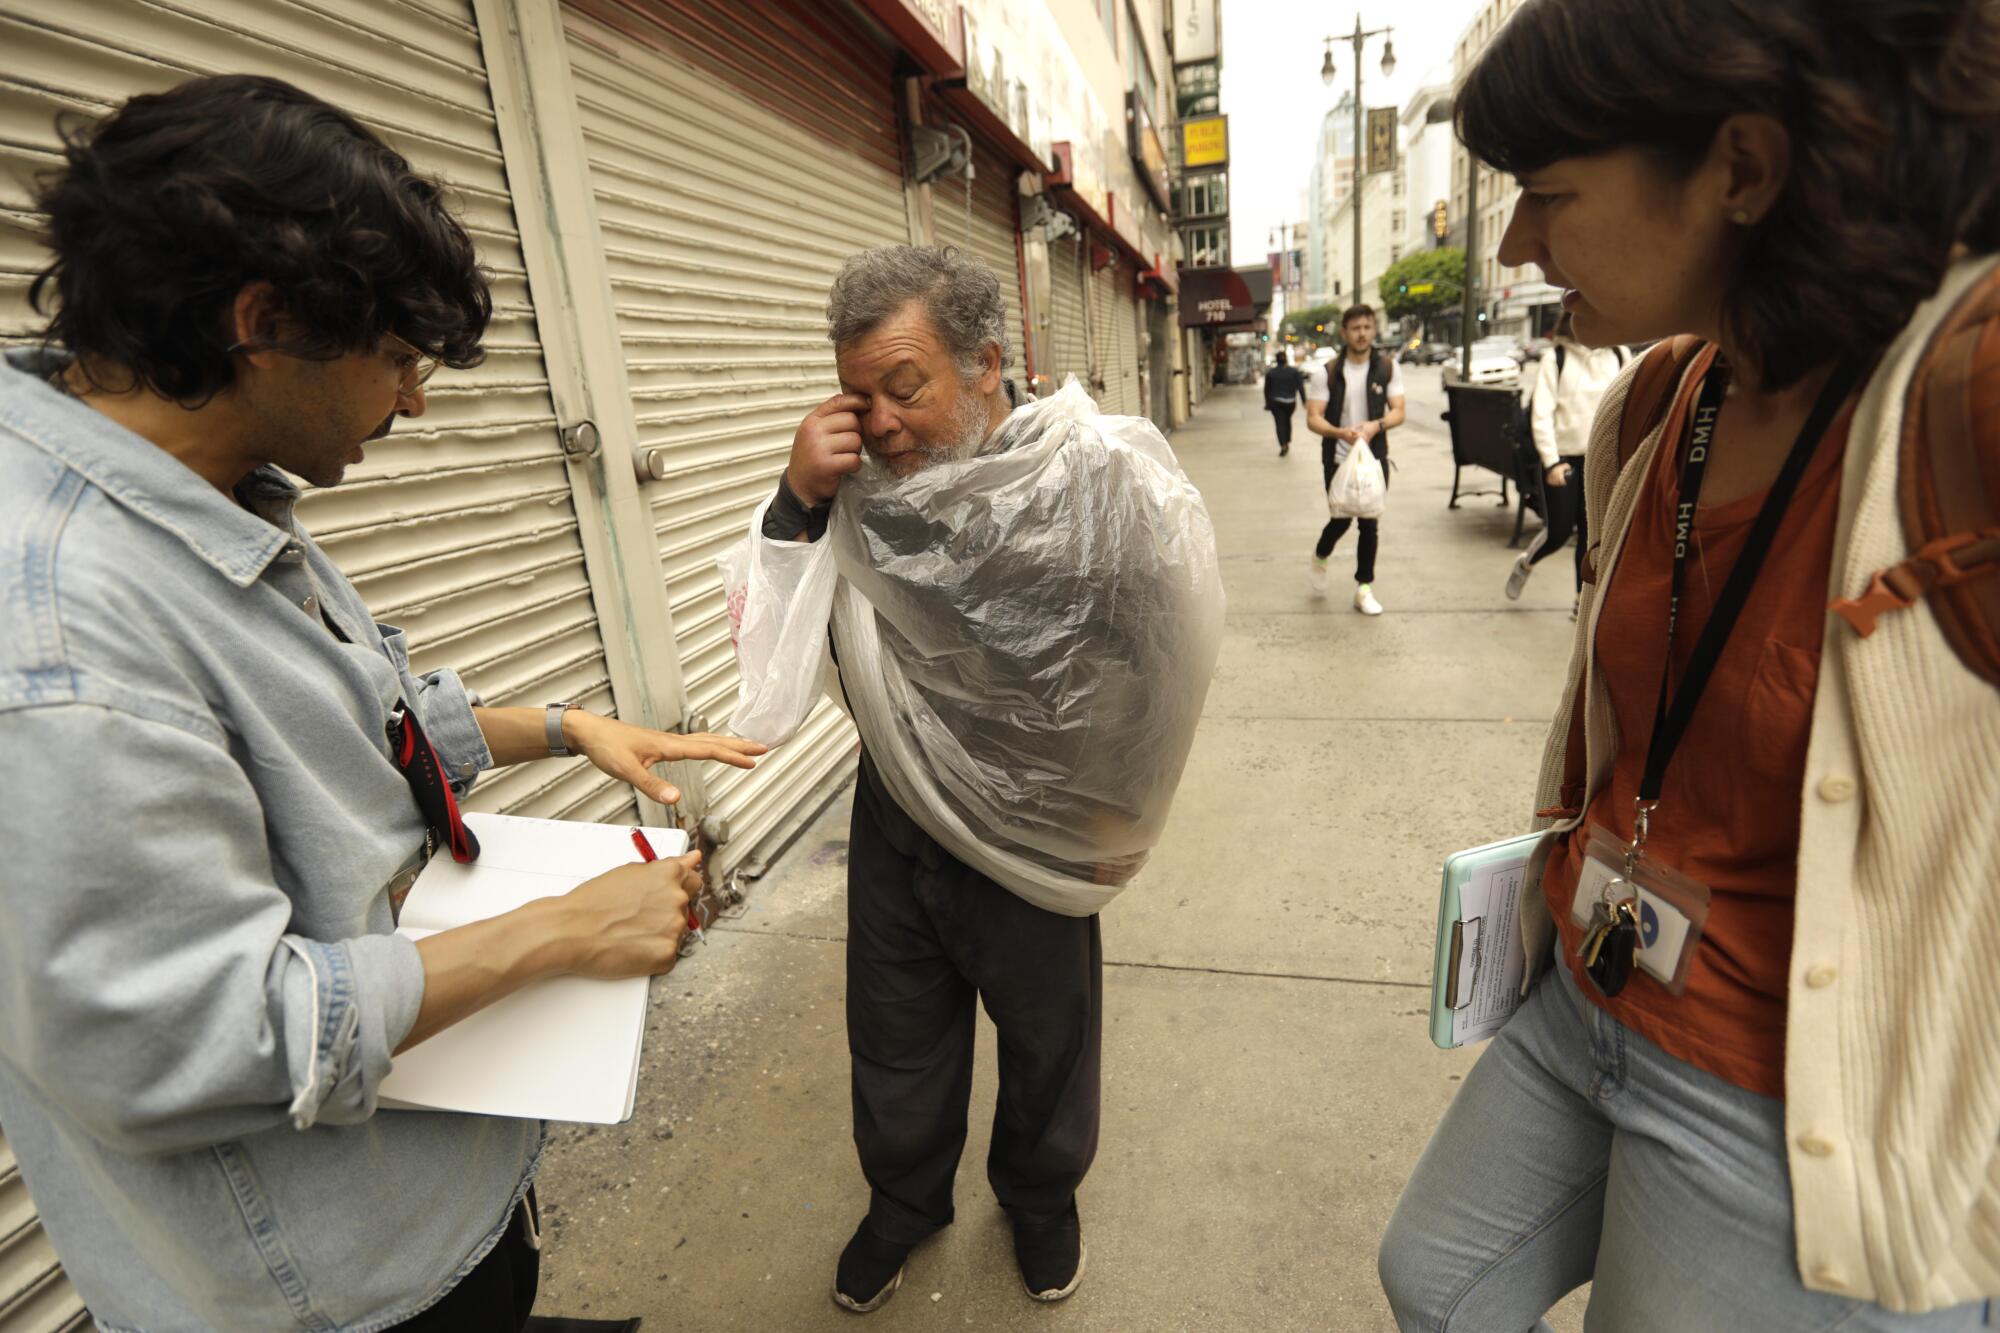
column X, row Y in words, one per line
column 416, row 368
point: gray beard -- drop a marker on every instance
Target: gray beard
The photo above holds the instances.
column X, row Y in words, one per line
column 969, row 427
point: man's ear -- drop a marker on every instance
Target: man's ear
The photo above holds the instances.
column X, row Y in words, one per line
column 256, row 324
column 989, row 372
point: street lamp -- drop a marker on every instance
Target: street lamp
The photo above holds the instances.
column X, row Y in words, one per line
column 1359, row 40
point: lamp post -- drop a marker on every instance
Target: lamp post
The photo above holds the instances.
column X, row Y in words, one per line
column 1359, row 41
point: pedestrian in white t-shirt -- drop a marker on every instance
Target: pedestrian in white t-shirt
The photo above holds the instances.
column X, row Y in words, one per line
column 1569, row 385
column 1370, row 387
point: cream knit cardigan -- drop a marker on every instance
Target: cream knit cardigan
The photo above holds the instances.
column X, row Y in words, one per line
column 1892, row 1054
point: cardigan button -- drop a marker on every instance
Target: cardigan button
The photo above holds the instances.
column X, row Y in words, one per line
column 1816, row 1146
column 1819, row 978
column 1836, row 789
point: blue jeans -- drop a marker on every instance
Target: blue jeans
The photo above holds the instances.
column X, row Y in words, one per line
column 1578, row 1151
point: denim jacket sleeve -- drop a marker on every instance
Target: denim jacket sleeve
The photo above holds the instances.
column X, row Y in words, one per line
column 444, row 704
column 156, row 990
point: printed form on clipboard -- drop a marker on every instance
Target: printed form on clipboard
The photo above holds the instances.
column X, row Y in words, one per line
column 566, row 1048
column 1476, row 978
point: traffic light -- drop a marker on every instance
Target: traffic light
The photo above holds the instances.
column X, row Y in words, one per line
column 1321, row 328
column 1404, row 289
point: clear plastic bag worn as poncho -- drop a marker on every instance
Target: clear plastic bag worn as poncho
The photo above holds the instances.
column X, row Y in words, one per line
column 1025, row 639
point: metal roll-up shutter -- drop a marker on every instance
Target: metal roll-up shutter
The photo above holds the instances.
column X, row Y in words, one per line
column 1110, row 311
column 35, row 1297
column 1069, row 319
column 459, row 526
column 728, row 192
column 1125, row 358
column 988, row 228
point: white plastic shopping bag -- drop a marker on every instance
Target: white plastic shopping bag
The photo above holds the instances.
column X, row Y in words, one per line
column 780, row 597
column 1358, row 489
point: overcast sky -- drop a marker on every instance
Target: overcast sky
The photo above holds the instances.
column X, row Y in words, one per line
column 1271, row 51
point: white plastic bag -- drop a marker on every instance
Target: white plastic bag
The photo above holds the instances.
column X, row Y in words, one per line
column 1025, row 640
column 1358, row 488
column 780, row 595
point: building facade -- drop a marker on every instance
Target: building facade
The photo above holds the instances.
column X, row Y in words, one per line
column 1513, row 300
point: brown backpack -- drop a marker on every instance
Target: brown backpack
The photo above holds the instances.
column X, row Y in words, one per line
column 1948, row 480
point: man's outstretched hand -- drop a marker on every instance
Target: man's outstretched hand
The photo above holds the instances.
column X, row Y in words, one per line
column 628, row 753
column 826, row 448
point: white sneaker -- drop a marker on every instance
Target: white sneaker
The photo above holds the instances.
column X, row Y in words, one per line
column 1517, row 578
column 1316, row 576
column 1364, row 601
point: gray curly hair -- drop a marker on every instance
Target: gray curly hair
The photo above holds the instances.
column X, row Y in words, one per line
column 960, row 294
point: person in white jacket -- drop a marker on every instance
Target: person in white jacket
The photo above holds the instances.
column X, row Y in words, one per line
column 1568, row 387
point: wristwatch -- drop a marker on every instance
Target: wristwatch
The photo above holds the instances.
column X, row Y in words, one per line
column 552, row 727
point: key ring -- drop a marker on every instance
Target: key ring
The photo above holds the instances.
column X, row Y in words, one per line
column 1642, row 821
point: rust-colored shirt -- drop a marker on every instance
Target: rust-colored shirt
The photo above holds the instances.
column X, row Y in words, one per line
column 1729, row 805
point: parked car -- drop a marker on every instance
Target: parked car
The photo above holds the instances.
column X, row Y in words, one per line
column 1493, row 362
column 1427, row 354
column 1536, row 348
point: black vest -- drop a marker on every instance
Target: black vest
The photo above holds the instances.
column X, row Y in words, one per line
column 1380, row 370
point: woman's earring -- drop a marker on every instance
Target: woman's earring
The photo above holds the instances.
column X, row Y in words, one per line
column 1741, row 217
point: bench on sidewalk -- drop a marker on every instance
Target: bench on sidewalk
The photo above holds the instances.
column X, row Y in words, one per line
column 1486, row 432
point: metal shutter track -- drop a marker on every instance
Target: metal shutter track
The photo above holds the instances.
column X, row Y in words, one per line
column 1125, row 312
column 1108, row 311
column 723, row 225
column 459, row 527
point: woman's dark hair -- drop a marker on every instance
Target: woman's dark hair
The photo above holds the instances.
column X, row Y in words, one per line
column 165, row 210
column 1893, row 108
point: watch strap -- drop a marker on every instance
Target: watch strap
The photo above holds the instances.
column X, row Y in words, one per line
column 552, row 727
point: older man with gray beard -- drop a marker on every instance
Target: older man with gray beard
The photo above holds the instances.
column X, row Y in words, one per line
column 920, row 343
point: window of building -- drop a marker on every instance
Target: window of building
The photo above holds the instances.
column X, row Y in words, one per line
column 1197, row 91
column 1205, row 195
column 1207, row 247
column 1139, row 63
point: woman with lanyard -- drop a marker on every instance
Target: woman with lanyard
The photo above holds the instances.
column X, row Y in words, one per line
column 1754, row 1082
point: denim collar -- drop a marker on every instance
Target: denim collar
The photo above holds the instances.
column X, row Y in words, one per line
column 139, row 476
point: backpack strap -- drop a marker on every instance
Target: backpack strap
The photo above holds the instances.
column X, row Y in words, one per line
column 1652, row 391
column 1646, row 402
column 1948, row 489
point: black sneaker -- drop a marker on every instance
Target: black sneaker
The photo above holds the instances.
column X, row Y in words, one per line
column 870, row 1271
column 1051, row 1255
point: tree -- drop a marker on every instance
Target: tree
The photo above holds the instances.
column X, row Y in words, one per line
column 1316, row 324
column 1426, row 284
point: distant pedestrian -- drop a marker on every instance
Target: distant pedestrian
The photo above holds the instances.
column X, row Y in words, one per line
column 1371, row 402
column 1774, row 1109
column 1282, row 385
column 1569, row 384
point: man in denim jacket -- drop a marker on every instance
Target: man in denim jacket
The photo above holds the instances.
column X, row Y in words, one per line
column 206, row 834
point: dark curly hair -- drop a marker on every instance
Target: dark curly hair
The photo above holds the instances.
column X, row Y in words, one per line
column 1893, row 107
column 165, row 210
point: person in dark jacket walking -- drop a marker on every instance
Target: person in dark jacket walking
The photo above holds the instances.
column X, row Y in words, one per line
column 1282, row 383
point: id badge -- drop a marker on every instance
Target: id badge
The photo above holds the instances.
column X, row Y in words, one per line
column 1670, row 907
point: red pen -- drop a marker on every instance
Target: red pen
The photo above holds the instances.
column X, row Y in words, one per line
column 647, row 854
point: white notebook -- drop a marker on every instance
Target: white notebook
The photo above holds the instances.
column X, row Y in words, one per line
column 562, row 1049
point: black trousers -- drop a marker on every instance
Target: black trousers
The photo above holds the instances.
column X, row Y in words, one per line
column 1329, row 537
column 497, row 1295
column 927, row 937
column 1566, row 516
column 1282, row 413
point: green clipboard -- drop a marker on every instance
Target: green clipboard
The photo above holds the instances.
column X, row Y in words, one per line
column 1476, row 975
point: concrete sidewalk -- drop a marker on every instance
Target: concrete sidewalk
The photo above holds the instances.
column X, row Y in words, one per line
column 1268, row 1080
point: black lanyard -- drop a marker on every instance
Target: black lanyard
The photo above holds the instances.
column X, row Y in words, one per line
column 1672, row 715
